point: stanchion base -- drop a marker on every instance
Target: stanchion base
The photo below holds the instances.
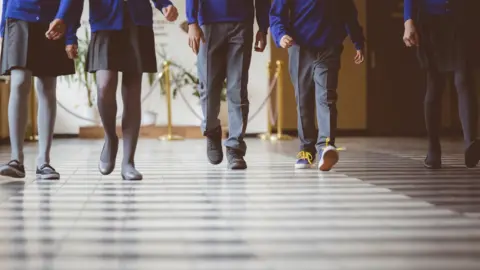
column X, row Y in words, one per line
column 281, row 137
column 171, row 138
column 265, row 136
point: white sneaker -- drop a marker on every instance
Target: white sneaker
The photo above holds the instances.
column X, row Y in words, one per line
column 329, row 157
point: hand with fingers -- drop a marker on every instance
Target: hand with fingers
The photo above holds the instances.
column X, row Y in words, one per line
column 170, row 13
column 195, row 36
column 410, row 36
column 359, row 57
column 260, row 41
column 286, row 42
column 72, row 51
column 56, row 29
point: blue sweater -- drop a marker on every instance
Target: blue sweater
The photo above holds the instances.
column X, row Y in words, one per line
column 218, row 11
column 43, row 11
column 108, row 15
column 437, row 7
column 316, row 23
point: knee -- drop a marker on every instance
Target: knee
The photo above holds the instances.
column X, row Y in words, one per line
column 239, row 98
column 329, row 98
column 462, row 84
column 106, row 89
column 433, row 94
column 47, row 86
column 20, row 82
column 431, row 98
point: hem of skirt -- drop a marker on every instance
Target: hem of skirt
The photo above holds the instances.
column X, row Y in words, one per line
column 37, row 74
column 8, row 71
column 93, row 70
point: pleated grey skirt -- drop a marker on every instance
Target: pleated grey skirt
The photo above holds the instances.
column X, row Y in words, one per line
column 25, row 46
column 131, row 49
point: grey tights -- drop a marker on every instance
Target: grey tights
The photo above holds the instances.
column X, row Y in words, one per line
column 132, row 113
column 20, row 85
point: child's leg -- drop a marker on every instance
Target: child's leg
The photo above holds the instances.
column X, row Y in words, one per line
column 20, row 85
column 326, row 82
column 301, row 67
column 131, row 120
column 47, row 112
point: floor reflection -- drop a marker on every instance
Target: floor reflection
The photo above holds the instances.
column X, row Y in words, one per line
column 378, row 210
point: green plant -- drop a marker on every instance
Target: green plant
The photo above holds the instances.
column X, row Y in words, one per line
column 180, row 77
column 82, row 76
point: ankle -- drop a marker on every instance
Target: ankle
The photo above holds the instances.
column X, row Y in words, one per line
column 18, row 159
column 111, row 138
column 128, row 164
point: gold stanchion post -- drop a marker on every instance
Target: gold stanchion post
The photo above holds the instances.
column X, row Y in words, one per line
column 33, row 113
column 280, row 136
column 169, row 136
column 268, row 135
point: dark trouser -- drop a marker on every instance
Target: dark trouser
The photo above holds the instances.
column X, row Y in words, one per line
column 467, row 105
column 226, row 54
column 314, row 74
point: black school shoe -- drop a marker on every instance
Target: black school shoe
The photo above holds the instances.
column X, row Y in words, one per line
column 214, row 146
column 432, row 163
column 13, row 169
column 47, row 172
column 235, row 159
column 472, row 154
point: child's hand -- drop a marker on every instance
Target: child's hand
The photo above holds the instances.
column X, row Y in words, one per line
column 286, row 42
column 72, row 51
column 359, row 57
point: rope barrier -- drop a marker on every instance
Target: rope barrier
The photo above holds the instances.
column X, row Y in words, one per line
column 272, row 88
column 144, row 98
column 275, row 84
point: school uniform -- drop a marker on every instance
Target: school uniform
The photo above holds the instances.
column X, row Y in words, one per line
column 226, row 54
column 448, row 43
column 23, row 27
column 318, row 28
column 122, row 35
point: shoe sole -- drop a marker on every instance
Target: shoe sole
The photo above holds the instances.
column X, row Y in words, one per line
column 432, row 167
column 48, row 176
column 215, row 162
column 330, row 158
column 132, row 179
column 237, row 166
column 304, row 166
column 10, row 172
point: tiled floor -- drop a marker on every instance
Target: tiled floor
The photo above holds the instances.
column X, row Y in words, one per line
column 378, row 210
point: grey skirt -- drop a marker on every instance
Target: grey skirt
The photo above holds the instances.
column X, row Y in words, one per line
column 25, row 46
column 131, row 49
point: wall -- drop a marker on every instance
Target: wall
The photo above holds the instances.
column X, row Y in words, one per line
column 177, row 49
column 352, row 87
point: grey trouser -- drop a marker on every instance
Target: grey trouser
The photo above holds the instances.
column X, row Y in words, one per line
column 314, row 74
column 226, row 54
